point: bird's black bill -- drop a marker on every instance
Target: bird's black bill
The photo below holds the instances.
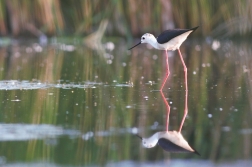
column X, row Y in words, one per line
column 139, row 137
column 196, row 152
column 135, row 46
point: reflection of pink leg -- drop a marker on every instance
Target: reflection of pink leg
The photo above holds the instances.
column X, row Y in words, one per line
column 167, row 71
column 168, row 110
column 186, row 92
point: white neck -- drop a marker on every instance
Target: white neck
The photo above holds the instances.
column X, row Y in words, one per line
column 153, row 42
column 151, row 141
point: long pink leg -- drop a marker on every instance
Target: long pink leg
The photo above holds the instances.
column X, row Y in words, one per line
column 186, row 92
column 167, row 71
column 167, row 109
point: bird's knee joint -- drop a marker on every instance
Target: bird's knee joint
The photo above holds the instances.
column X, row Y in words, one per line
column 186, row 111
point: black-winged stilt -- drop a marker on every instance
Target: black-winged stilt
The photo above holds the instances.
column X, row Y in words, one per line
column 168, row 40
column 171, row 141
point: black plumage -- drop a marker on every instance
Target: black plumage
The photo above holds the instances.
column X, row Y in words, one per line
column 168, row 146
column 167, row 35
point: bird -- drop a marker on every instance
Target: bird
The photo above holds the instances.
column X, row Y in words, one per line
column 170, row 40
column 167, row 40
column 170, row 141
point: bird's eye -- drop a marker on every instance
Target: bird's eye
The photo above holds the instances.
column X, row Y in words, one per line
column 143, row 38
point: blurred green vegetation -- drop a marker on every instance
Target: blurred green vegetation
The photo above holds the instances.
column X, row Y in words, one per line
column 126, row 18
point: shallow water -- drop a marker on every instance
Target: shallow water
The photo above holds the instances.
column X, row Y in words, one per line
column 66, row 104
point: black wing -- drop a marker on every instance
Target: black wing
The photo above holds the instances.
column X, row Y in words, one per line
column 170, row 34
column 167, row 145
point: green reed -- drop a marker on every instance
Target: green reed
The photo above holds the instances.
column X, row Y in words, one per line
column 126, row 18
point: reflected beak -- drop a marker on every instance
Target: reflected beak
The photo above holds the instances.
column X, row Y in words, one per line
column 139, row 137
column 135, row 46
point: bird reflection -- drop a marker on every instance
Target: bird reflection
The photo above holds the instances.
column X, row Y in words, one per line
column 171, row 141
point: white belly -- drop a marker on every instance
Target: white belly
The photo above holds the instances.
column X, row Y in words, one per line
column 176, row 138
column 174, row 43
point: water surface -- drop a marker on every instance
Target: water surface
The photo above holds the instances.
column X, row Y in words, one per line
column 66, row 104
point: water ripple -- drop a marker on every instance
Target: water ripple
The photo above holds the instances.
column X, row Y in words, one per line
column 30, row 85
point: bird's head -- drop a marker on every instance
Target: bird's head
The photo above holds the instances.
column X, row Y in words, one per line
column 149, row 142
column 146, row 38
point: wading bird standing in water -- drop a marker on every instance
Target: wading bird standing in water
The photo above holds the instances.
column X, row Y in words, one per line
column 171, row 141
column 168, row 40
